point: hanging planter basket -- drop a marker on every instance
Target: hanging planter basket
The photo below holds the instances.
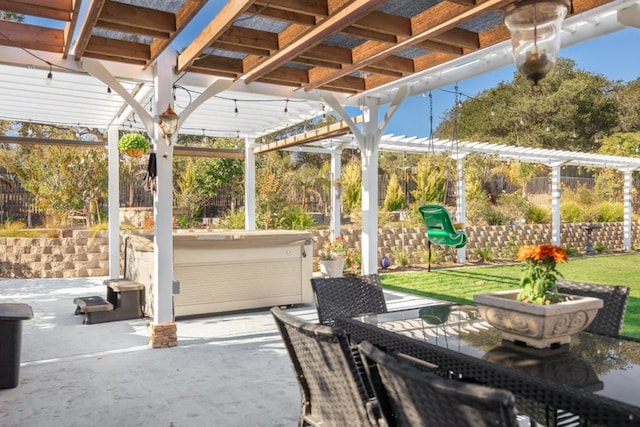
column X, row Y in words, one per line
column 133, row 144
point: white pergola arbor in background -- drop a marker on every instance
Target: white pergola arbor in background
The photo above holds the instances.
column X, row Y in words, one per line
column 458, row 150
column 259, row 57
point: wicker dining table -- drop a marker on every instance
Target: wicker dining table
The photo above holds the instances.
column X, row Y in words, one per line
column 594, row 378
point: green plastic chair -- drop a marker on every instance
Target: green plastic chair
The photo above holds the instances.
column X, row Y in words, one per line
column 440, row 228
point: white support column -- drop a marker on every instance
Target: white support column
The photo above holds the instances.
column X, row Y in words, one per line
column 461, row 206
column 163, row 197
column 336, row 192
column 369, row 154
column 626, row 224
column 249, row 185
column 114, row 202
column 556, row 192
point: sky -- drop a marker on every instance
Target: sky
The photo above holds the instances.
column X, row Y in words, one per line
column 614, row 56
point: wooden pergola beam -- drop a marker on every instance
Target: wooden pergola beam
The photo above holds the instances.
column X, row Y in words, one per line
column 435, row 20
column 335, row 129
column 333, row 24
column 178, row 150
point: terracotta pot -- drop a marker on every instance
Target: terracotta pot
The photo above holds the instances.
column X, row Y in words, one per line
column 134, row 152
column 539, row 326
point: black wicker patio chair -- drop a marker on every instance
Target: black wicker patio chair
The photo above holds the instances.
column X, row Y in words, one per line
column 331, row 386
column 348, row 296
column 609, row 319
column 409, row 396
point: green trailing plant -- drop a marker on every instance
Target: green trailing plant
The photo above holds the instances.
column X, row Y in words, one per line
column 133, row 141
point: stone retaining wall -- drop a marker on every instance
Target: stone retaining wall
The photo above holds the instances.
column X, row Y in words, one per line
column 501, row 240
column 77, row 253
column 81, row 253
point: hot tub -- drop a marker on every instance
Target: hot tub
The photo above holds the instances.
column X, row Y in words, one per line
column 222, row 271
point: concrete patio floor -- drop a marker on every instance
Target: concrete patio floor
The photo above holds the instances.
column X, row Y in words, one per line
column 228, row 370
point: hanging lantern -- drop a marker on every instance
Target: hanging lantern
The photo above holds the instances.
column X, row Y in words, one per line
column 535, row 34
column 168, row 122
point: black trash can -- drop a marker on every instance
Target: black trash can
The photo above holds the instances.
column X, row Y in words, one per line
column 11, row 317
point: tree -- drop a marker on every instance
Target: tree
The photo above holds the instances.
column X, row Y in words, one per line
column 628, row 99
column 570, row 110
column 609, row 182
column 61, row 179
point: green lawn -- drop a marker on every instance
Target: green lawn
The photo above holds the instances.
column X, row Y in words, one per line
column 460, row 284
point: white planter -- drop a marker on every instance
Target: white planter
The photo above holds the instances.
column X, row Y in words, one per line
column 332, row 267
column 539, row 326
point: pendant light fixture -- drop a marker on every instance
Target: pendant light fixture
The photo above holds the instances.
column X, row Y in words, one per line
column 535, row 34
column 168, row 121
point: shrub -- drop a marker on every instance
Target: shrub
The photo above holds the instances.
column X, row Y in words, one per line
column 394, row 197
column 294, row 217
column 16, row 229
column 401, row 257
column 494, row 216
column 609, row 212
column 486, row 254
column 436, row 256
column 233, row 221
column 184, row 222
column 572, row 212
column 537, row 215
column 570, row 251
column 600, row 247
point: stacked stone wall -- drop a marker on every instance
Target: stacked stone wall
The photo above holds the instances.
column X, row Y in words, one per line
column 501, row 240
column 77, row 253
column 82, row 253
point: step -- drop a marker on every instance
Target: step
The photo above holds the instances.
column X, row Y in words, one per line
column 123, row 285
column 92, row 304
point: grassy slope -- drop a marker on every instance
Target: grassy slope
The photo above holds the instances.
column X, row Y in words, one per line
column 460, row 284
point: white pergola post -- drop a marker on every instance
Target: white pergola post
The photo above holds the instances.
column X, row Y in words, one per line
column 114, row 202
column 461, row 205
column 336, row 191
column 163, row 197
column 556, row 192
column 626, row 223
column 249, row 185
column 369, row 154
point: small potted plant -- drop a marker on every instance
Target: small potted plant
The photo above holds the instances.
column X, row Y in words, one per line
column 332, row 257
column 133, row 144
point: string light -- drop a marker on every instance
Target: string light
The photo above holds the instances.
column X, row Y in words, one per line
column 50, row 75
column 109, row 92
column 235, row 109
column 286, row 107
